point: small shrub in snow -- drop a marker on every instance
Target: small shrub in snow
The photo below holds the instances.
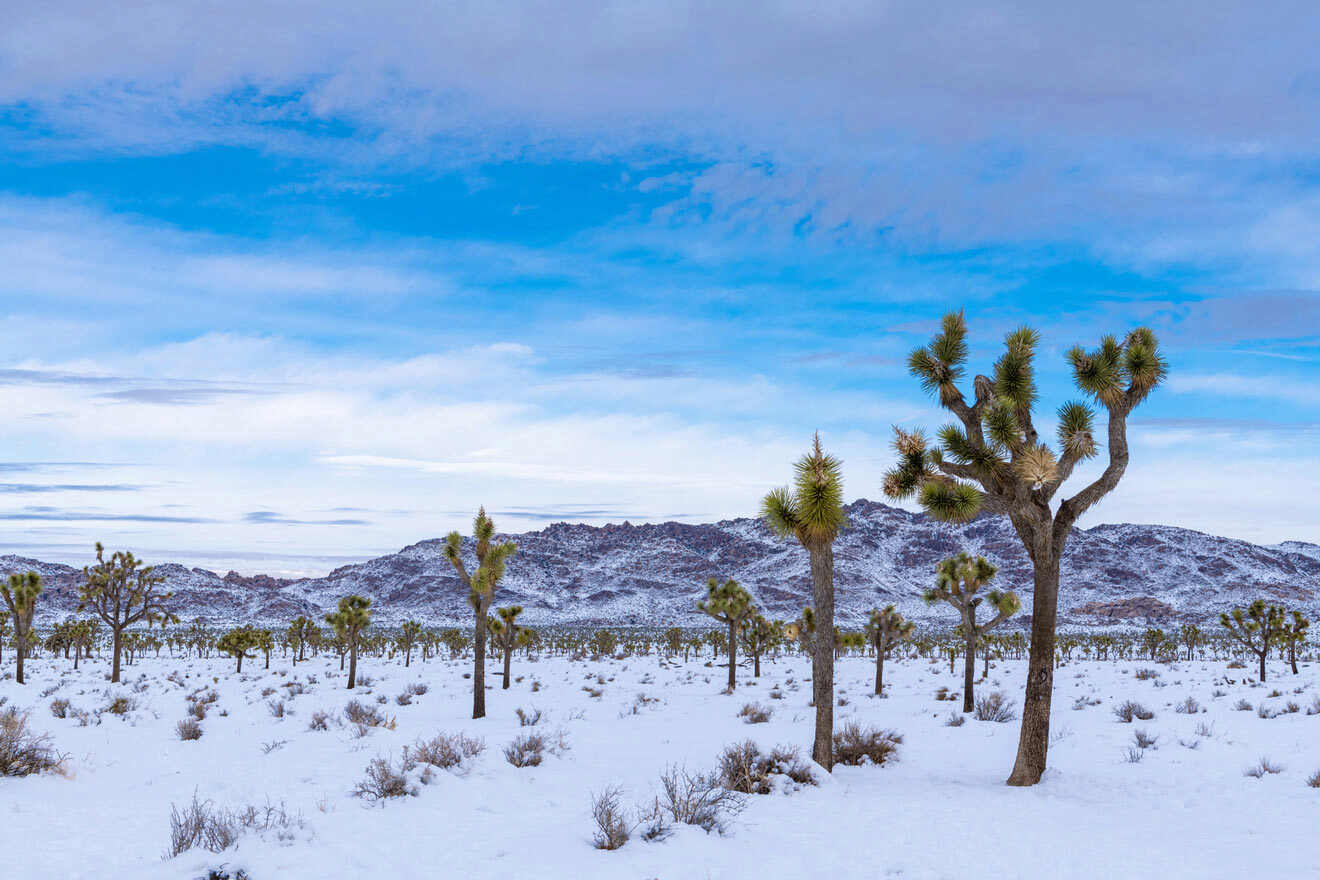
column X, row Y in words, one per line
column 277, row 709
column 1134, row 755
column 364, row 717
column 1130, row 710
column 994, row 707
column 1206, row 730
column 121, row 705
column 1146, row 674
column 23, row 752
column 1261, row 767
column 1144, row 740
column 59, row 708
column 855, row 745
column 197, row 710
column 693, row 799
column 1290, row 707
column 189, row 729
column 529, row 719
column 527, row 750
column 417, row 689
column 744, row 768
column 200, row 824
column 1314, row 708
column 320, row 721
column 1314, row 779
column 404, row 699
column 383, row 781
column 1242, row 706
column 755, row 713
column 1264, row 711
column 955, row 719
column 1188, row 706
column 612, row 830
column 448, row 751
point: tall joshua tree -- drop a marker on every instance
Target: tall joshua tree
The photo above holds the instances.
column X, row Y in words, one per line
column 731, row 605
column 121, row 591
column 992, row 461
column 758, row 636
column 480, row 585
column 236, row 643
column 884, row 630
column 298, row 635
column 20, row 594
column 353, row 616
column 958, row 579
column 409, row 633
column 1294, row 634
column 507, row 635
column 812, row 511
column 1255, row 628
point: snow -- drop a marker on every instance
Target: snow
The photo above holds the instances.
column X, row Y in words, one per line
column 941, row 810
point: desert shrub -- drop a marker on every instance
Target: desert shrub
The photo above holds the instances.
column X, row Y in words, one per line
column 404, row 699
column 295, row 688
column 320, row 721
column 23, row 752
column 121, row 705
column 364, row 717
column 1188, row 706
column 1130, row 710
column 1144, row 740
column 59, row 708
column 1314, row 779
column 1146, row 674
column 277, row 709
column 1083, row 702
column 1242, row 706
column 692, row 799
column 1206, row 730
column 197, row 710
column 527, row 750
column 529, row 718
column 1290, row 707
column 755, row 713
column 994, row 707
column 1134, row 755
column 417, row 688
column 201, row 824
column 1236, row 664
column 612, row 830
column 744, row 768
column 856, row 745
column 189, row 729
column 1264, row 711
column 448, row 751
column 1314, row 708
column 955, row 719
column 384, row 781
column 1261, row 767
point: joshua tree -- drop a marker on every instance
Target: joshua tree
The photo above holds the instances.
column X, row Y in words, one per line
column 4, row 632
column 1294, row 634
column 992, row 462
column 884, row 630
column 122, row 592
column 507, row 635
column 298, row 635
column 758, row 636
column 353, row 616
column 1190, row 635
column 408, row 635
column 958, row 579
column 731, row 605
column 1256, row 628
column 20, row 594
column 480, row 586
column 265, row 644
column 812, row 512
column 236, row 643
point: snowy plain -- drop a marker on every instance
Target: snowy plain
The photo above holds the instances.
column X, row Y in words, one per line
column 1180, row 808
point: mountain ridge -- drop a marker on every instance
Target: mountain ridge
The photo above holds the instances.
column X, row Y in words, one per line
column 653, row 573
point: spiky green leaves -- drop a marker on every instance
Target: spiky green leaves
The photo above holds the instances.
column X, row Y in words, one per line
column 1117, row 373
column 950, row 500
column 813, row 509
column 727, row 602
column 1004, row 602
column 1001, row 424
column 913, row 468
column 939, row 364
column 490, row 561
column 1015, row 379
column 1075, row 429
column 353, row 616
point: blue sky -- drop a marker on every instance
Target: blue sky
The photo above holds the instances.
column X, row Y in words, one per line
column 286, row 287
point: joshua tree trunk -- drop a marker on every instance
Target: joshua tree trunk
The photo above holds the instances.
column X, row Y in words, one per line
column 479, row 666
column 407, row 657
column 756, row 664
column 969, row 664
column 240, row 665
column 21, row 648
column 822, row 660
column 733, row 656
column 1262, row 663
column 352, row 665
column 114, row 667
column 879, row 672
column 1034, row 739
column 1292, row 656
column 508, row 662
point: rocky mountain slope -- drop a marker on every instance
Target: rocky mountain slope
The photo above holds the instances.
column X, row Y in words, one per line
column 653, row 574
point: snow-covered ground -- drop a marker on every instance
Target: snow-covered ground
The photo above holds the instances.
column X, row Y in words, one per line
column 1185, row 809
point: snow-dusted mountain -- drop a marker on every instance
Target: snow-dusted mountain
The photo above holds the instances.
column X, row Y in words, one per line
column 653, row 574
